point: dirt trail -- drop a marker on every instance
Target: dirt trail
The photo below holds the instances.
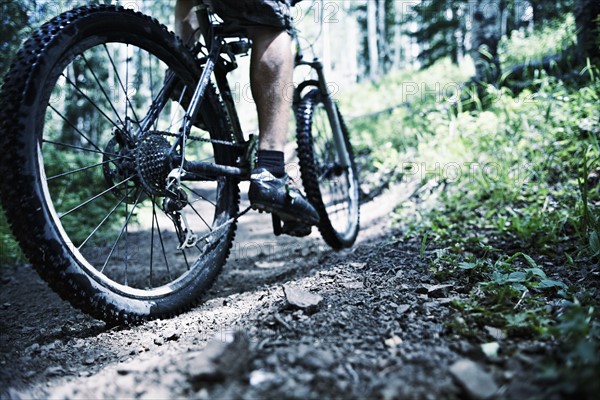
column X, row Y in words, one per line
column 379, row 331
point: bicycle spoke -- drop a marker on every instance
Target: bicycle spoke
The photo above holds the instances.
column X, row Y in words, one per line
column 126, row 226
column 200, row 216
column 102, row 222
column 83, row 169
column 82, row 148
column 174, row 114
column 114, row 246
column 85, row 96
column 77, row 130
column 95, row 197
column 152, row 241
column 199, row 195
column 127, row 101
column 102, row 89
column 162, row 243
column 186, row 260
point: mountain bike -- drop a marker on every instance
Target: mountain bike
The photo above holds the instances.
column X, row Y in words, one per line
column 122, row 153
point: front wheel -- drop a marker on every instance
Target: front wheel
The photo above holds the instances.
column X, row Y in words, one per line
column 87, row 125
column 330, row 186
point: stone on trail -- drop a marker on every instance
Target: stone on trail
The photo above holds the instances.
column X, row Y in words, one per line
column 302, row 299
column 434, row 291
column 220, row 360
column 477, row 383
column 170, row 334
column 353, row 285
column 318, row 359
column 393, row 341
column 270, row 265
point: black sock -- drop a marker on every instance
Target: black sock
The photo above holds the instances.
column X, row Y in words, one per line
column 272, row 161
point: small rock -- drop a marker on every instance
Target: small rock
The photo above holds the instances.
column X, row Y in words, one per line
column 490, row 349
column 318, row 359
column 260, row 376
column 477, row 383
column 6, row 306
column 394, row 341
column 302, row 299
column 357, row 265
column 159, row 341
column 423, row 289
column 171, row 334
column 34, row 348
column 496, row 333
column 221, row 359
column 353, row 285
column 267, row 264
column 439, row 291
column 54, row 371
column 89, row 360
column 402, row 308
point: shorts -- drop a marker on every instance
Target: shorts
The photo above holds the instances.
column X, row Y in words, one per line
column 247, row 13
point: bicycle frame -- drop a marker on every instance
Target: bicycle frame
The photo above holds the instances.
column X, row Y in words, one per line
column 215, row 39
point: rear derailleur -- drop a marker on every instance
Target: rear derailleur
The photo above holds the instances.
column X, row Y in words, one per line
column 175, row 200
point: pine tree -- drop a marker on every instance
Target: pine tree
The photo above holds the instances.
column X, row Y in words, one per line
column 485, row 36
column 587, row 17
column 441, row 29
column 14, row 21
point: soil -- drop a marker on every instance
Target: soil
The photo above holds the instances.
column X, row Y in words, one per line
column 376, row 324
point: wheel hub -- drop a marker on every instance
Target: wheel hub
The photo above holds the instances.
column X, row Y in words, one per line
column 118, row 167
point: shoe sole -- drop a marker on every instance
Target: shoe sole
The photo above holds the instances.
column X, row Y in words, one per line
column 282, row 214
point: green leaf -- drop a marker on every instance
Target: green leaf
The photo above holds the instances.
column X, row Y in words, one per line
column 594, row 242
column 530, row 261
column 467, row 265
column 517, row 276
column 549, row 283
column 536, row 272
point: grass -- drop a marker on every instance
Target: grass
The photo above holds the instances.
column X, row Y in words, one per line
column 510, row 197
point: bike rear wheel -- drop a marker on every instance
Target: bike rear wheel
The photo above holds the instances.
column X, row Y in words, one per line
column 331, row 187
column 85, row 169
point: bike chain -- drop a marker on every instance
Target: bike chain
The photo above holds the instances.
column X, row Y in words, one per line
column 205, row 140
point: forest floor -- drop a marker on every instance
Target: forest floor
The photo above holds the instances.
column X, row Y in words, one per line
column 376, row 323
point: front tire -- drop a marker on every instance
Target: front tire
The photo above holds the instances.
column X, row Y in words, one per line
column 81, row 185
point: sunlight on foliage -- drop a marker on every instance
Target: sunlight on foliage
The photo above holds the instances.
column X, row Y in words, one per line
column 553, row 38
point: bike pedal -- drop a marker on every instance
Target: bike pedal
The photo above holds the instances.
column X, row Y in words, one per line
column 297, row 229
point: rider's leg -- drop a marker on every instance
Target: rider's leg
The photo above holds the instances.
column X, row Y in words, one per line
column 183, row 19
column 271, row 67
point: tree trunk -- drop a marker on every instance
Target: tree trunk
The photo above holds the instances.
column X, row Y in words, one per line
column 382, row 36
column 587, row 14
column 372, row 39
column 485, row 35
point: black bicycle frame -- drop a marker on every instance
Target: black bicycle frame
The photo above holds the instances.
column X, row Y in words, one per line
column 214, row 37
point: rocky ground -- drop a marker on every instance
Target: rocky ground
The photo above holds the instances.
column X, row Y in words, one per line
column 288, row 318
